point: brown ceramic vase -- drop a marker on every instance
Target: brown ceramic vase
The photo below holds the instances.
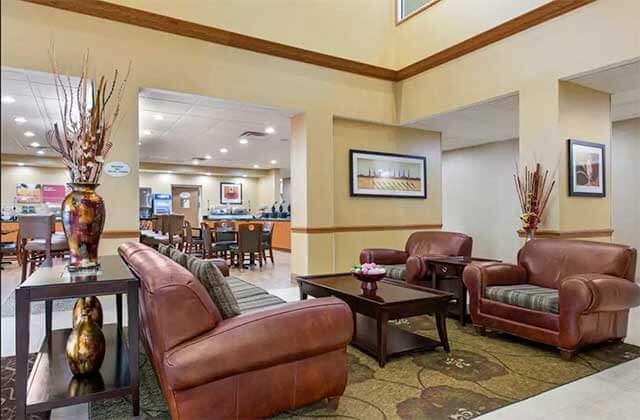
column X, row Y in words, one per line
column 92, row 306
column 85, row 347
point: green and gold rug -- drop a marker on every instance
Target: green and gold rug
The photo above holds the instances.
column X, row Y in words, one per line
column 480, row 375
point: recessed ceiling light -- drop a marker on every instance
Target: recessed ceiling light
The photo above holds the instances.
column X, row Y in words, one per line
column 40, row 152
column 244, row 176
column 8, row 99
column 224, row 150
column 34, row 144
column 169, row 172
column 256, row 166
column 158, row 117
column 147, row 132
column 269, row 130
column 29, row 134
column 195, row 162
column 20, row 164
column 209, row 174
column 273, row 162
column 139, row 143
column 243, row 141
column 207, row 157
column 20, row 120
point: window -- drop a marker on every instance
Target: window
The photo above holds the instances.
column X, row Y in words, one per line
column 408, row 8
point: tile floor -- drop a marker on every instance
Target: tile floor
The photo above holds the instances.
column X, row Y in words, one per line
column 612, row 394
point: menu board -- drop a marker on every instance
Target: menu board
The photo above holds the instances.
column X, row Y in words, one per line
column 29, row 193
column 53, row 194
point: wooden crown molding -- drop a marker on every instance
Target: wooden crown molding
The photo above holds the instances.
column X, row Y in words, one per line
column 570, row 234
column 144, row 19
column 367, row 228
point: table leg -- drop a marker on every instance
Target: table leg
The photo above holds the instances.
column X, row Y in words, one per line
column 434, row 279
column 132, row 313
column 119, row 311
column 23, row 309
column 303, row 294
column 462, row 303
column 48, row 321
column 382, row 319
column 441, row 323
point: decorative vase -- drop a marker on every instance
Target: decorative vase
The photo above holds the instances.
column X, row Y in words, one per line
column 529, row 234
column 83, row 216
column 85, row 385
column 85, row 347
column 92, row 306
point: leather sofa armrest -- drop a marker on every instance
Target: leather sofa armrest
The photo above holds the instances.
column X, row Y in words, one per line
column 479, row 276
column 257, row 340
column 585, row 293
column 383, row 256
column 221, row 264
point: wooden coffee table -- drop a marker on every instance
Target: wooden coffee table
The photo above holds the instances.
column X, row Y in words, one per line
column 371, row 314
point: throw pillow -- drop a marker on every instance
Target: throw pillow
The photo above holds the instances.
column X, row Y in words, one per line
column 178, row 256
column 164, row 249
column 216, row 285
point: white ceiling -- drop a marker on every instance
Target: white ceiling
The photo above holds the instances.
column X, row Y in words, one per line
column 487, row 122
column 196, row 126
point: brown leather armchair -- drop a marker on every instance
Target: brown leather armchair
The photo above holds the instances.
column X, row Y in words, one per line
column 563, row 293
column 250, row 366
column 409, row 265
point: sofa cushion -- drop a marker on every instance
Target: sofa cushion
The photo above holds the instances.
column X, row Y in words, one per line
column 396, row 271
column 526, row 296
column 251, row 297
column 212, row 279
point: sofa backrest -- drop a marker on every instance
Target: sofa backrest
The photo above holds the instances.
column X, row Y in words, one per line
column 549, row 261
column 174, row 305
column 439, row 243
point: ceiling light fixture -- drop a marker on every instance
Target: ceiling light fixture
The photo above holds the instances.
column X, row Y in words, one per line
column 195, row 162
column 273, row 162
column 34, row 144
column 208, row 157
column 20, row 120
column 269, row 130
column 209, row 174
column 139, row 143
column 244, row 175
column 40, row 152
column 158, row 117
column 147, row 132
column 243, row 141
column 224, row 150
column 29, row 134
column 20, row 164
column 169, row 172
column 256, row 166
column 8, row 99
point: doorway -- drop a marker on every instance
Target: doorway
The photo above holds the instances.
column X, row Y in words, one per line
column 186, row 200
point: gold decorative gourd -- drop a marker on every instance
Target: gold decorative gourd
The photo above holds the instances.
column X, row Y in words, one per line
column 85, row 346
column 92, row 305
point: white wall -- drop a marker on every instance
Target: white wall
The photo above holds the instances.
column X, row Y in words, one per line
column 625, row 183
column 12, row 175
column 479, row 198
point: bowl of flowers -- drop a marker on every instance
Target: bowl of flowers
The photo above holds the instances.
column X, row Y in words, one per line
column 369, row 274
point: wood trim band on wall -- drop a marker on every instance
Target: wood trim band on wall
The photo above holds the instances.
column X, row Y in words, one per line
column 112, row 234
column 570, row 234
column 144, row 19
column 368, row 228
column 149, row 20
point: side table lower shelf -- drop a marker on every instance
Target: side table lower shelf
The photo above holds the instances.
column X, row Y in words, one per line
column 51, row 383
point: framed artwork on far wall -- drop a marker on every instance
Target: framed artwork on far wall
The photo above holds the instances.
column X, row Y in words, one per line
column 586, row 169
column 230, row 193
column 376, row 174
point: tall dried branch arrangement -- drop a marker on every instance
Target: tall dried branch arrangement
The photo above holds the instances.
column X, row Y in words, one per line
column 89, row 111
column 534, row 189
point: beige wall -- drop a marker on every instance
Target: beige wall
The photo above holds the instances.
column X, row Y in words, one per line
column 479, row 198
column 269, row 188
column 625, row 188
column 161, row 183
column 12, row 175
column 363, row 211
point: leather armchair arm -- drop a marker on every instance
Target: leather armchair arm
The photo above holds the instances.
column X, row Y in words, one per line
column 221, row 264
column 383, row 256
column 257, row 340
column 479, row 276
column 585, row 293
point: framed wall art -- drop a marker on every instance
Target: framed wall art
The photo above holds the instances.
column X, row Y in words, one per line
column 230, row 193
column 376, row 174
column 586, row 169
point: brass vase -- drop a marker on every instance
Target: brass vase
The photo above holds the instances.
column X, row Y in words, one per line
column 92, row 306
column 83, row 216
column 85, row 347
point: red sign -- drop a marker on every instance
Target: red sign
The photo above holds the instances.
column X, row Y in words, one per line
column 53, row 193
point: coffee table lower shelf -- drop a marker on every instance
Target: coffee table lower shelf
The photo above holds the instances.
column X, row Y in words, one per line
column 399, row 341
column 52, row 385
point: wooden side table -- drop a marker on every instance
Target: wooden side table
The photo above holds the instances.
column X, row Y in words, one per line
column 446, row 274
column 51, row 383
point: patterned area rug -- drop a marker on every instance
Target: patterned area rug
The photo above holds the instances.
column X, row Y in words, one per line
column 480, row 375
column 9, row 306
column 8, row 401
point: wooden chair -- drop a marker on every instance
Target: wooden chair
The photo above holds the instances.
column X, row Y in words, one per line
column 249, row 245
column 38, row 242
column 192, row 245
column 267, row 240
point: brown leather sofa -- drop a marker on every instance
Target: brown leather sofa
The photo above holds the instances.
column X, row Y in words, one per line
column 563, row 293
column 249, row 366
column 409, row 265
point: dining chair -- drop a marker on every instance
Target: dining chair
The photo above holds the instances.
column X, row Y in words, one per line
column 38, row 242
column 192, row 245
column 267, row 240
column 249, row 245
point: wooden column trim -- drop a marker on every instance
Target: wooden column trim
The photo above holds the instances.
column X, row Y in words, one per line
column 365, row 228
column 570, row 234
column 112, row 234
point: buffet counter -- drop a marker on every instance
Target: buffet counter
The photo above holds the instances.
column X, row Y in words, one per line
column 281, row 233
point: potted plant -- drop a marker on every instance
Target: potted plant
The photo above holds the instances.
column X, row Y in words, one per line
column 534, row 189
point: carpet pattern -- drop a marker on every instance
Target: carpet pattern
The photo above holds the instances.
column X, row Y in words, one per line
column 480, row 375
column 8, row 399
